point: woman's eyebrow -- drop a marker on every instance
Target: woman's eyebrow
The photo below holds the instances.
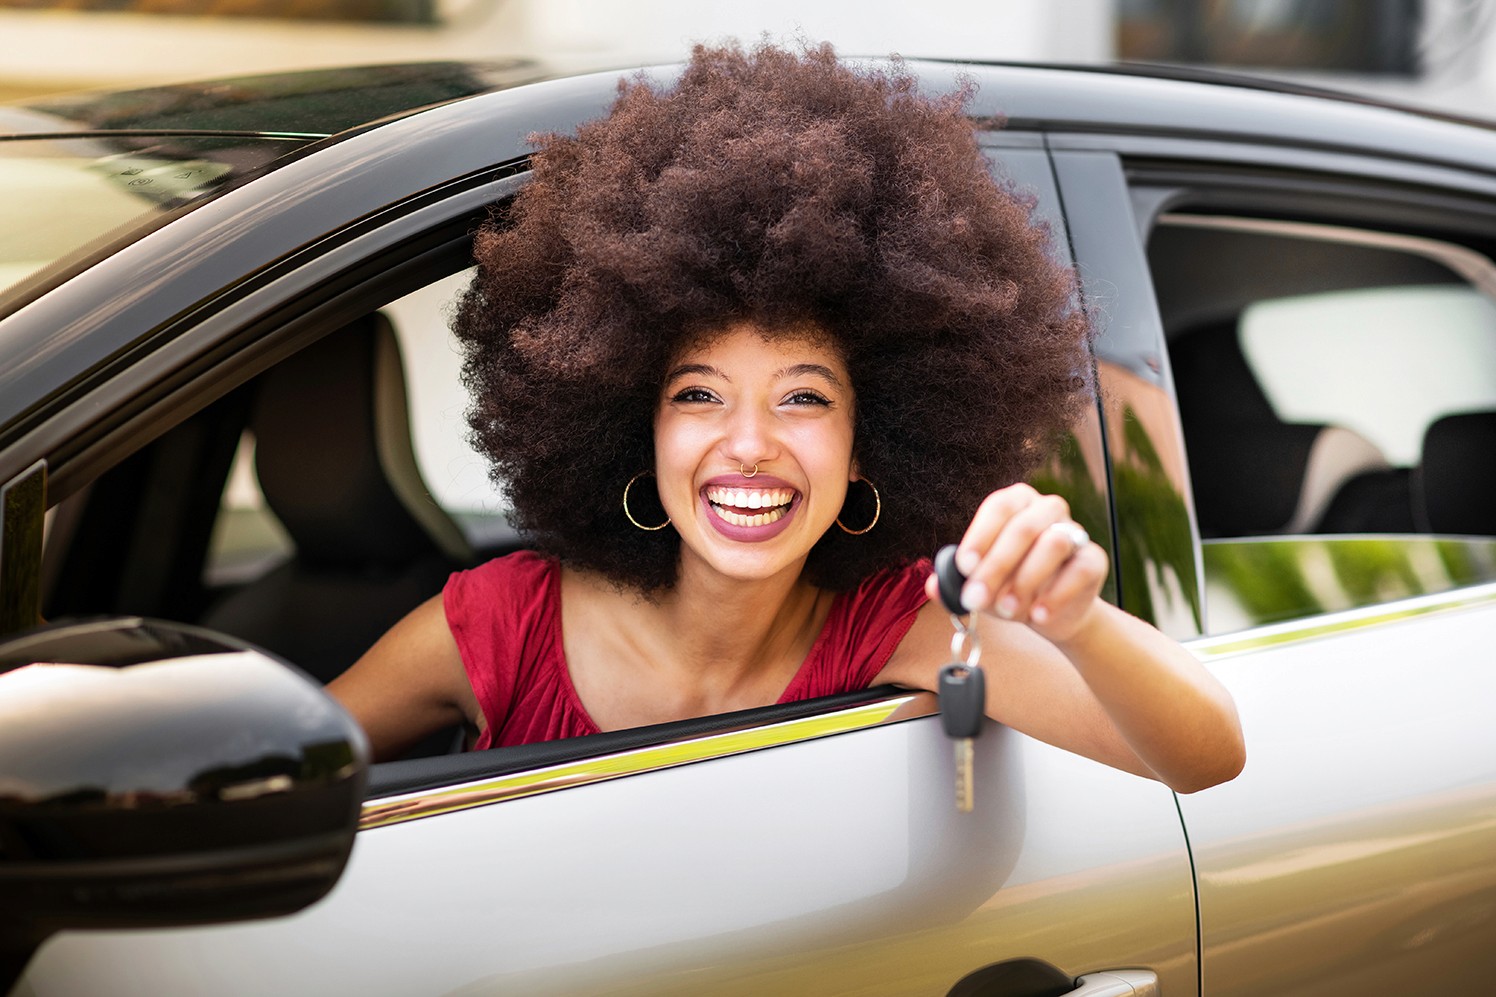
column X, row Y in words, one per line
column 700, row 369
column 813, row 369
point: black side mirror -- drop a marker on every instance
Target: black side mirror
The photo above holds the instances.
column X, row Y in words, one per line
column 154, row 774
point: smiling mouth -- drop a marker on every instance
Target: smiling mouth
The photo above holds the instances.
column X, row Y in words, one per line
column 749, row 507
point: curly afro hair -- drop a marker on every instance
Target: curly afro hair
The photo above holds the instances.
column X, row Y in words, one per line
column 786, row 189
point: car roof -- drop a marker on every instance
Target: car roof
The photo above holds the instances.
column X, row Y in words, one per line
column 304, row 104
column 1124, row 97
column 1174, row 103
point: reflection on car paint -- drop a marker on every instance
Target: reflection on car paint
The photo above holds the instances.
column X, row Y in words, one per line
column 720, row 744
column 1156, row 554
column 1077, row 473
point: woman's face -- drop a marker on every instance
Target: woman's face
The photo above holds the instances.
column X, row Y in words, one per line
column 738, row 399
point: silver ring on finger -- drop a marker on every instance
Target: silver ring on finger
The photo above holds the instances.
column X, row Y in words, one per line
column 1072, row 531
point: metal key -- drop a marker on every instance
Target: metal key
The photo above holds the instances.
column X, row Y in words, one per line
column 962, row 686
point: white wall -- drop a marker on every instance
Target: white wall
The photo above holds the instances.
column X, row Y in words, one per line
column 67, row 49
column 1058, row 30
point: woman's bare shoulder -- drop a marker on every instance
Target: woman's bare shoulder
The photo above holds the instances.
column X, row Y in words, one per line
column 410, row 683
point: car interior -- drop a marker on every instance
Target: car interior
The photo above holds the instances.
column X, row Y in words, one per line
column 1259, row 472
column 334, row 460
column 344, row 537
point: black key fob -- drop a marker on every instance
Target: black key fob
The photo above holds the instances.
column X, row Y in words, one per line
column 963, row 698
column 950, row 579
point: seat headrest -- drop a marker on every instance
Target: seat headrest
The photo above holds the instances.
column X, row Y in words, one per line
column 334, row 456
column 1253, row 473
column 1248, row 476
column 1455, row 488
column 1213, row 378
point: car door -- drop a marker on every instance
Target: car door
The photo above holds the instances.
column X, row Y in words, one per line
column 778, row 850
column 1329, row 322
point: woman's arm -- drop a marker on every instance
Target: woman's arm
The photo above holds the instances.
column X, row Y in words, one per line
column 1066, row 667
column 409, row 684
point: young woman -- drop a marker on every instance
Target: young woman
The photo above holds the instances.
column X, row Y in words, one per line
column 743, row 353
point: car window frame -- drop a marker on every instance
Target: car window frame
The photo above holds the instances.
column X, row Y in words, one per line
column 1157, row 555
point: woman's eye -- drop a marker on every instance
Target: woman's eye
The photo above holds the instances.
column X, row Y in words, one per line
column 693, row 395
column 807, row 397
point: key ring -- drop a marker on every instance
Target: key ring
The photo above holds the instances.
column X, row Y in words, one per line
column 966, row 646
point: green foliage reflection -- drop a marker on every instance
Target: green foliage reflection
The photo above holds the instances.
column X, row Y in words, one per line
column 1068, row 476
column 1153, row 525
column 1285, row 578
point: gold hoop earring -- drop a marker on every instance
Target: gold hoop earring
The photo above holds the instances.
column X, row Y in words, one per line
column 630, row 515
column 745, row 473
column 877, row 511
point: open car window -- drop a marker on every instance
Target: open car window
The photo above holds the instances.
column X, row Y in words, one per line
column 281, row 513
column 1337, row 389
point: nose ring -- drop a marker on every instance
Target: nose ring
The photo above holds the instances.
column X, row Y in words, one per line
column 745, row 472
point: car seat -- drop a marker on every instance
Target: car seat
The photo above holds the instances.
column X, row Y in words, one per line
column 335, row 462
column 1454, row 485
column 1254, row 474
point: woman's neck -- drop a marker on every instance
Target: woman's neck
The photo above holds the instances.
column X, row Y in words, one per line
column 707, row 645
column 727, row 625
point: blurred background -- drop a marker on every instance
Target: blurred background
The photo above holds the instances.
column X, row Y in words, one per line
column 1437, row 53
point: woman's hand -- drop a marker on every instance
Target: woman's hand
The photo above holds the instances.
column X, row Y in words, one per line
column 1026, row 560
column 1101, row 683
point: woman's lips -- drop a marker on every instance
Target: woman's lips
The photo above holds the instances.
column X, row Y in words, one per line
column 749, row 512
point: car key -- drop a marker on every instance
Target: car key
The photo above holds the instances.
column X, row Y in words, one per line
column 962, row 686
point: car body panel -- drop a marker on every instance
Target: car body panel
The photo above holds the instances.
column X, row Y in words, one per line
column 842, row 859
column 1354, row 853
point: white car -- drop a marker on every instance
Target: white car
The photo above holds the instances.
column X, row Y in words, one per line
column 203, row 419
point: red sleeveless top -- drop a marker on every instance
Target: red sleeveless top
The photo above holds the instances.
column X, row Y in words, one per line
column 506, row 618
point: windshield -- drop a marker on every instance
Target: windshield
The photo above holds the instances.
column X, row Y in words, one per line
column 64, row 198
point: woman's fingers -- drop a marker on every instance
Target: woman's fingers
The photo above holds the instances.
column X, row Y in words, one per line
column 992, row 515
column 1061, row 604
column 1005, row 532
column 1026, row 560
column 1048, row 557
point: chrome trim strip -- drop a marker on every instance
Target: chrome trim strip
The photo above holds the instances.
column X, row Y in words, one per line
column 1326, row 624
column 718, row 744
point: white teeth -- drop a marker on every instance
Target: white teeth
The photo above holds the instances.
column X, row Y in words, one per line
column 738, row 519
column 745, row 498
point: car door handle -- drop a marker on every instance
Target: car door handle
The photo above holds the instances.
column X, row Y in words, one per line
column 1117, row 983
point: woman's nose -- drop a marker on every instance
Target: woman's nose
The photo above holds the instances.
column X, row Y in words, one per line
column 749, row 438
